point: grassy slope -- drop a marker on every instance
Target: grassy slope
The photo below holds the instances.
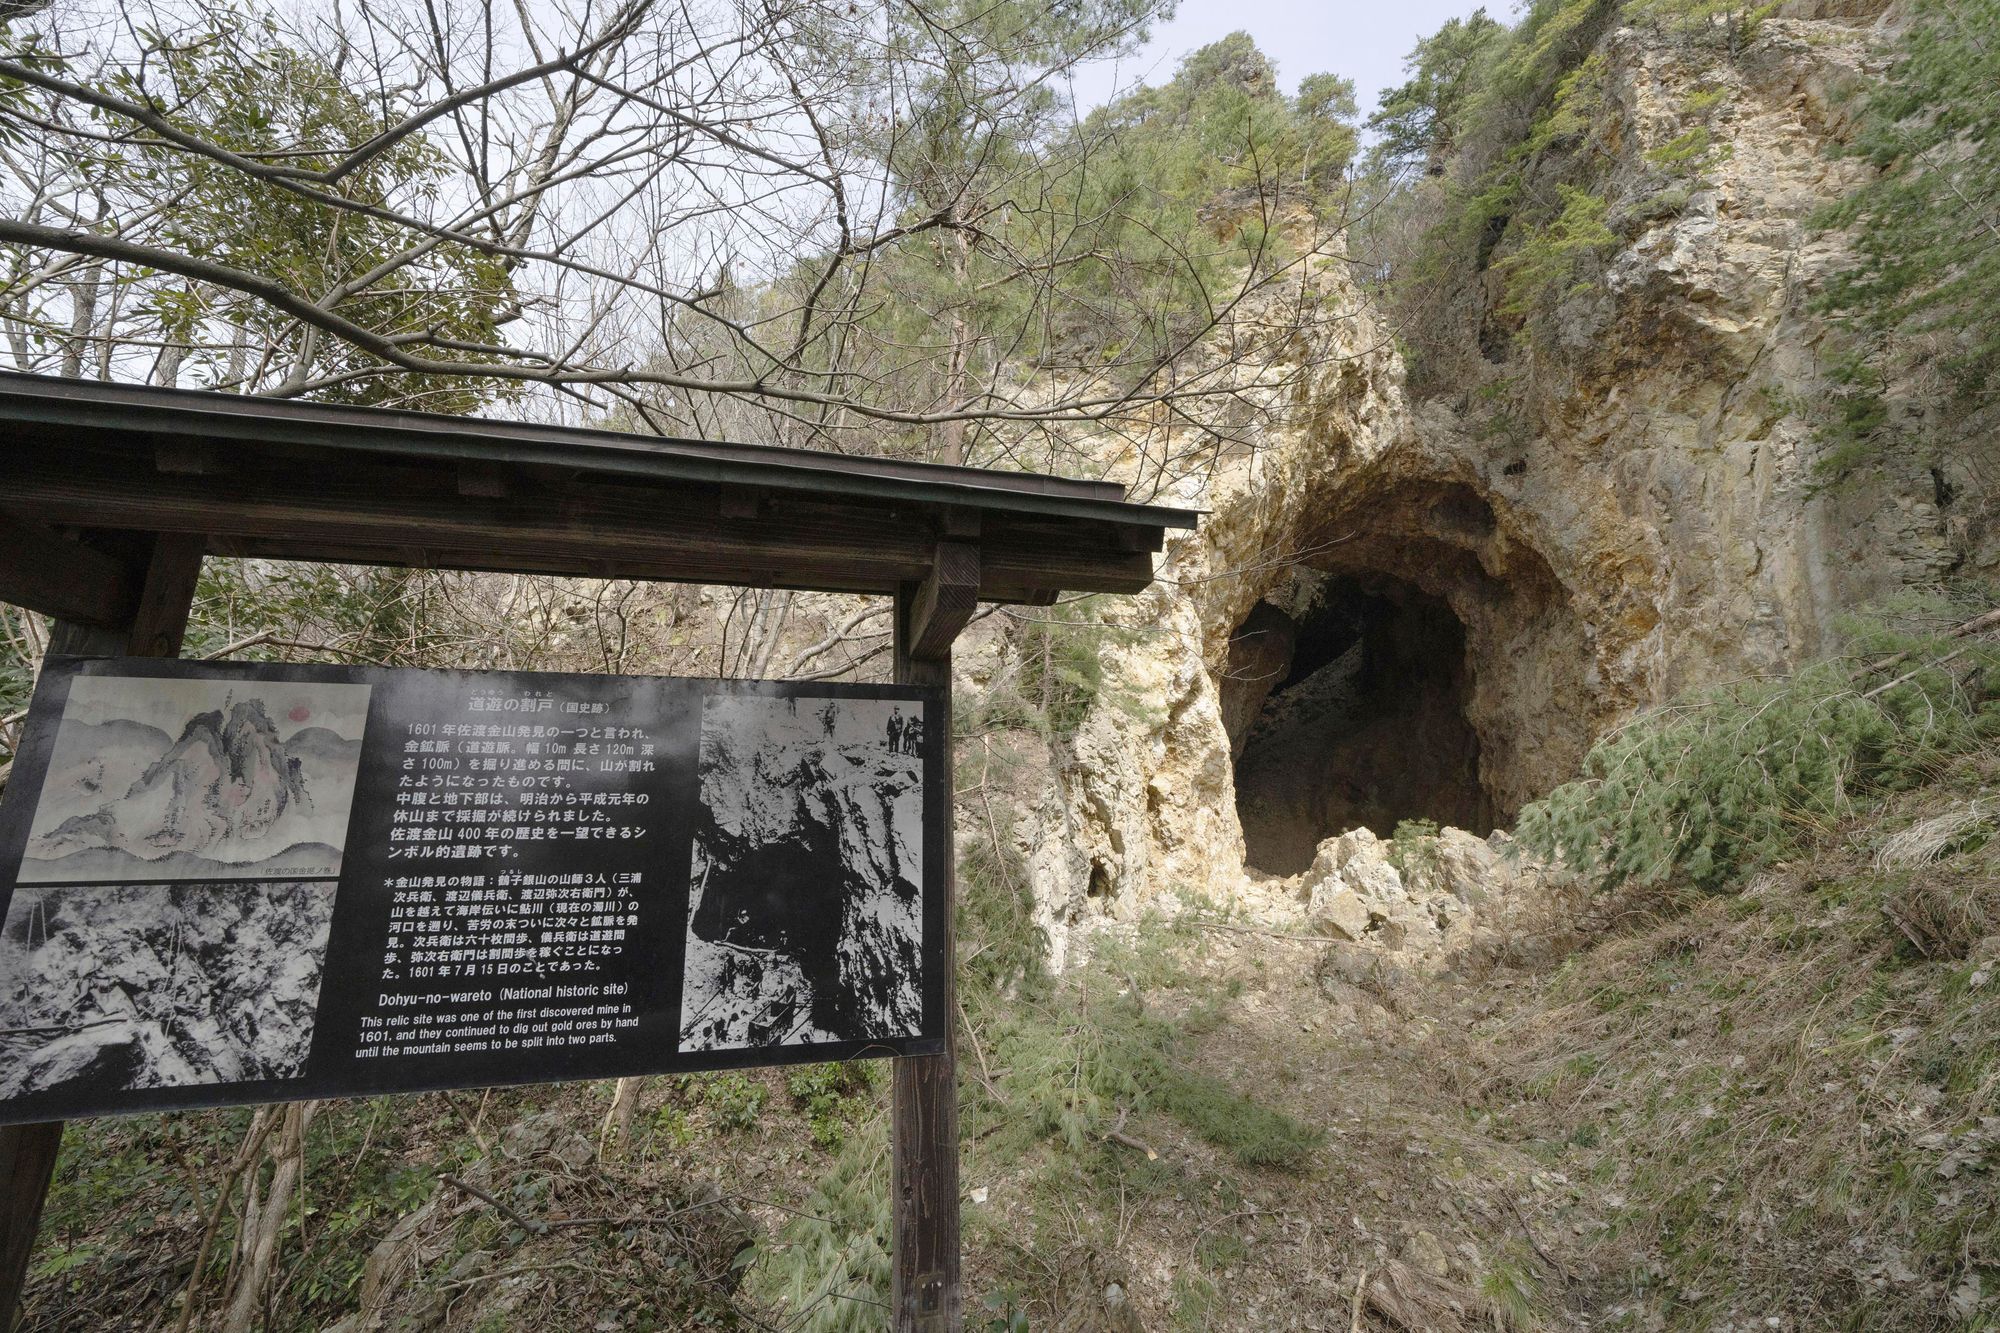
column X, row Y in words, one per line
column 1784, row 1102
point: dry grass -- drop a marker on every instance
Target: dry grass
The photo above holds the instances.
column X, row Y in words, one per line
column 1776, row 1093
column 1927, row 840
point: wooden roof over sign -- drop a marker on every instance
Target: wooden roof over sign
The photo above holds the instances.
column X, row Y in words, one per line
column 88, row 465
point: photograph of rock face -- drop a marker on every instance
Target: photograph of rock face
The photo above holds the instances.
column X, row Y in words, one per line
column 805, row 914
column 122, row 986
column 166, row 780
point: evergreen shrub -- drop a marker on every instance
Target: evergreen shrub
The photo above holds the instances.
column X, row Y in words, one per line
column 1736, row 776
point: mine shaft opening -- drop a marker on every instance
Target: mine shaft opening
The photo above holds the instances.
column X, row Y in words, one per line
column 1352, row 714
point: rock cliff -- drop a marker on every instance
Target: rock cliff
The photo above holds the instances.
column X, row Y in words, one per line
column 1461, row 596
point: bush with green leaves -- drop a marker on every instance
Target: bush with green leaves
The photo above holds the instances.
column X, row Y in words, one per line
column 832, row 1097
column 1413, row 848
column 1925, row 278
column 1734, row 777
column 1055, row 676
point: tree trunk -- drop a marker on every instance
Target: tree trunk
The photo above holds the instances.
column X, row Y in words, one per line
column 264, row 1219
column 952, row 437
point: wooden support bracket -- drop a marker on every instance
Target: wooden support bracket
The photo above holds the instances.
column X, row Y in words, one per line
column 49, row 573
column 944, row 601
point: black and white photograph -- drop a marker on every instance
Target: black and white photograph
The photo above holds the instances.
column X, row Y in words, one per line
column 167, row 779
column 805, row 913
column 105, row 988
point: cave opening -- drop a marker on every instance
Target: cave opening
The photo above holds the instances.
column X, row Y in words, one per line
column 1352, row 714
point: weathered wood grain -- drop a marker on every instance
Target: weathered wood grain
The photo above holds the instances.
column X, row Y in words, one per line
column 927, row 1296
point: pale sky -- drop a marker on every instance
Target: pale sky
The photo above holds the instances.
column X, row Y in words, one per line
column 1365, row 40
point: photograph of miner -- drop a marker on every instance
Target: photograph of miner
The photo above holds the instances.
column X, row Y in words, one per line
column 805, row 920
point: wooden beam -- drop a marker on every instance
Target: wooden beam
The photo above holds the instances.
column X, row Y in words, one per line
column 482, row 480
column 49, row 573
column 926, row 1295
column 591, row 529
column 154, row 627
column 188, row 458
column 740, row 502
column 944, row 601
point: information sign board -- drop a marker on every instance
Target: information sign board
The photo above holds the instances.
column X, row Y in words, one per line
column 239, row 883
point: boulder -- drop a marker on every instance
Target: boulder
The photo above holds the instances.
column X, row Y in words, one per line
column 1336, row 907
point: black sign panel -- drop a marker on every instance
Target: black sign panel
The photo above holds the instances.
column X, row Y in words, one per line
column 231, row 883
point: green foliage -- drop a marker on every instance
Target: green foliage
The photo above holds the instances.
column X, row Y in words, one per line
column 17, row 677
column 829, row 1266
column 1510, row 126
column 1249, row 1131
column 1925, row 281
column 1417, row 121
column 1061, row 671
column 733, row 1102
column 1691, row 152
column 1551, row 260
column 1170, row 193
column 1413, row 848
column 1734, row 777
column 1000, row 945
column 1075, row 1064
column 1728, row 23
column 1513, row 151
column 1057, row 674
column 240, row 84
column 832, row 1096
column 1511, row 1290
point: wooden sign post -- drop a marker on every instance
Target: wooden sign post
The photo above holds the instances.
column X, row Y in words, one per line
column 147, row 619
column 923, row 1126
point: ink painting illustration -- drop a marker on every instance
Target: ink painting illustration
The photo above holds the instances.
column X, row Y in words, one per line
column 160, row 780
column 805, row 913
column 109, row 987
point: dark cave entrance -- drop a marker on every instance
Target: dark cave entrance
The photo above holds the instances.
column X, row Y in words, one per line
column 1352, row 716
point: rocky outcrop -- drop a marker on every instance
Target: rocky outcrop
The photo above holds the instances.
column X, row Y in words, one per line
column 1647, row 515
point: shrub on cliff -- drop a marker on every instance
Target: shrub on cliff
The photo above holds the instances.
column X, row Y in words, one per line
column 1736, row 776
column 1926, row 274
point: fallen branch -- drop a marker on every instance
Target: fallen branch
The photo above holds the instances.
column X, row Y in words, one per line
column 1977, row 625
column 527, row 1224
column 1124, row 1140
column 1533, row 1243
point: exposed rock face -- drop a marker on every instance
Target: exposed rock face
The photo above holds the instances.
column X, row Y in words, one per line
column 1653, row 521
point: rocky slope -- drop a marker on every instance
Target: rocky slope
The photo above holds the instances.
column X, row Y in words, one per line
column 1644, row 515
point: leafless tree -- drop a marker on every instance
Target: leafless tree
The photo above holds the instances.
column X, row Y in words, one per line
column 859, row 226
